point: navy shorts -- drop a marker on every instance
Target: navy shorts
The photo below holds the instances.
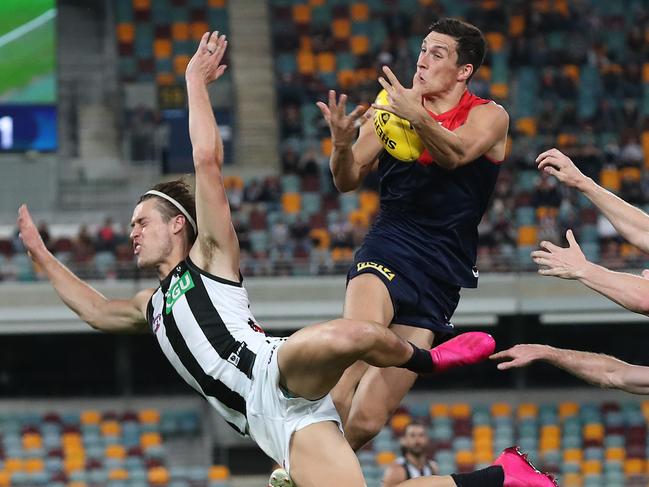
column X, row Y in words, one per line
column 418, row 299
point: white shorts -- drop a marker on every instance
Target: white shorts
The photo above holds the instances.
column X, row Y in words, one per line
column 273, row 417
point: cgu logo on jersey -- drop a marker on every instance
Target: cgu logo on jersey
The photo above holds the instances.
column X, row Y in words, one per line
column 180, row 287
column 383, row 136
column 373, row 265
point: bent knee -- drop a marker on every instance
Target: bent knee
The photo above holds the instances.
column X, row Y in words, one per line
column 350, row 336
column 362, row 426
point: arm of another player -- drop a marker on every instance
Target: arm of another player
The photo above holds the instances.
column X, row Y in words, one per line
column 350, row 161
column 394, row 475
column 631, row 222
column 217, row 248
column 627, row 290
column 483, row 133
column 598, row 369
column 112, row 315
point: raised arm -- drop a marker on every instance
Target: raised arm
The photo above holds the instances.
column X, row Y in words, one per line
column 598, row 369
column 627, row 290
column 350, row 161
column 112, row 315
column 631, row 222
column 217, row 248
column 484, row 133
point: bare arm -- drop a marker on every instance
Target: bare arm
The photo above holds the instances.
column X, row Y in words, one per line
column 394, row 475
column 90, row 305
column 598, row 369
column 217, row 248
column 631, row 222
column 484, row 132
column 350, row 163
column 627, row 290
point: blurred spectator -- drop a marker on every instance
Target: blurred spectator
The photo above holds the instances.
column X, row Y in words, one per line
column 415, row 461
column 106, row 237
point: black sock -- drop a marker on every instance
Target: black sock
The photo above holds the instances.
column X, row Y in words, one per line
column 420, row 362
column 493, row 476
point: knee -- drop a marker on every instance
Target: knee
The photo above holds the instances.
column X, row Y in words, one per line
column 362, row 426
column 353, row 336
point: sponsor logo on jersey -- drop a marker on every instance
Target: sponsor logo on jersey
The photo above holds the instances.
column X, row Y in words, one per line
column 157, row 321
column 476, row 272
column 234, row 356
column 379, row 267
column 175, row 292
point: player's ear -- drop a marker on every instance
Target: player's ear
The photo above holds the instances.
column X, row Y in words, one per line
column 464, row 72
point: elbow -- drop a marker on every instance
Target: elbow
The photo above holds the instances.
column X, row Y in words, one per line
column 344, row 186
column 204, row 157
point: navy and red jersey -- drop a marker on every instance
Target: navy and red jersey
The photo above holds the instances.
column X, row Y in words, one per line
column 429, row 216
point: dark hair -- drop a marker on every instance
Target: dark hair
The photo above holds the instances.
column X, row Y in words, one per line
column 179, row 190
column 413, row 423
column 471, row 44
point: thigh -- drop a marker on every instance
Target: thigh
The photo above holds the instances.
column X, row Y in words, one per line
column 321, row 457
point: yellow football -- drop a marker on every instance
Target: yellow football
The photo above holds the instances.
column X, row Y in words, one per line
column 396, row 134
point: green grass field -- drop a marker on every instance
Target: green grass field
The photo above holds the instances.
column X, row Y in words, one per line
column 27, row 63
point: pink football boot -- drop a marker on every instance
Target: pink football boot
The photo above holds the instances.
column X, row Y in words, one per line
column 465, row 349
column 519, row 472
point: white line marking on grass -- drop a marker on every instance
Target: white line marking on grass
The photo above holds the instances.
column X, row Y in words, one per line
column 29, row 26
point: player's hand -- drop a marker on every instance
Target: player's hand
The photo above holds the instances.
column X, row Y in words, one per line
column 520, row 355
column 28, row 233
column 566, row 263
column 403, row 102
column 557, row 164
column 342, row 126
column 206, row 64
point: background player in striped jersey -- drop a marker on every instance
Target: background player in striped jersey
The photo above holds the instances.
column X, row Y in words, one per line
column 273, row 389
column 414, row 461
column 426, row 231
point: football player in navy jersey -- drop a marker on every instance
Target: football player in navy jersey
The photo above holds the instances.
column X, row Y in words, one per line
column 421, row 250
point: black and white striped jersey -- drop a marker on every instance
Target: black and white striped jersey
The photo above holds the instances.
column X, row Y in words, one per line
column 205, row 328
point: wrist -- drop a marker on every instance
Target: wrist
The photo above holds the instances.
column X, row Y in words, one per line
column 421, row 118
column 584, row 271
column 585, row 184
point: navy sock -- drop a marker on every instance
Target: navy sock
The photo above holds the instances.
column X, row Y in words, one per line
column 493, row 476
column 420, row 362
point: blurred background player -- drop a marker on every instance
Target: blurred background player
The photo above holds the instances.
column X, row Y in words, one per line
column 415, row 461
column 422, row 248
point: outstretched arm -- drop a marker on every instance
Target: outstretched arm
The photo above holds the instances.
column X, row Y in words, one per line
column 631, row 222
column 217, row 248
column 627, row 290
column 598, row 369
column 88, row 303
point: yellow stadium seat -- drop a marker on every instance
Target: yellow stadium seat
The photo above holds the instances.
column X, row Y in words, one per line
column 147, row 440
column 572, row 480
column 325, row 146
column 568, row 409
column 484, row 456
column 71, row 440
column 162, row 48
column 549, row 443
column 384, row 458
column 645, row 73
column 32, row 441
column 110, row 428
column 527, row 126
column 13, row 465
column 483, row 443
column 359, row 45
column 550, row 430
column 341, row 28
column 326, row 62
column 180, row 64
column 399, row 421
column 495, row 40
column 573, row 455
column 165, row 79
column 217, row 3
column 77, row 484
column 115, row 451
column 301, row 13
column 644, row 139
column 5, row 478
column 460, row 410
column 369, row 201
column 197, row 30
column 634, row 466
column 439, row 410
column 321, row 237
column 631, row 173
column 564, row 139
column 572, row 71
column 218, row 472
column 73, row 464
column 528, row 410
column 501, row 409
column 499, row 90
column 118, row 474
column 33, row 465
column 527, row 235
column 516, row 25
column 359, row 218
column 158, row 476
column 609, row 178
column 464, row 457
column 594, row 431
column 340, row 254
column 141, row 4
column 306, row 44
column 484, row 73
column 90, row 416
column 360, row 12
column 645, row 405
column 346, row 78
column 180, row 31
column 591, row 467
column 125, row 32
column 306, row 63
column 483, row 431
column 291, row 203
column 616, row 454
